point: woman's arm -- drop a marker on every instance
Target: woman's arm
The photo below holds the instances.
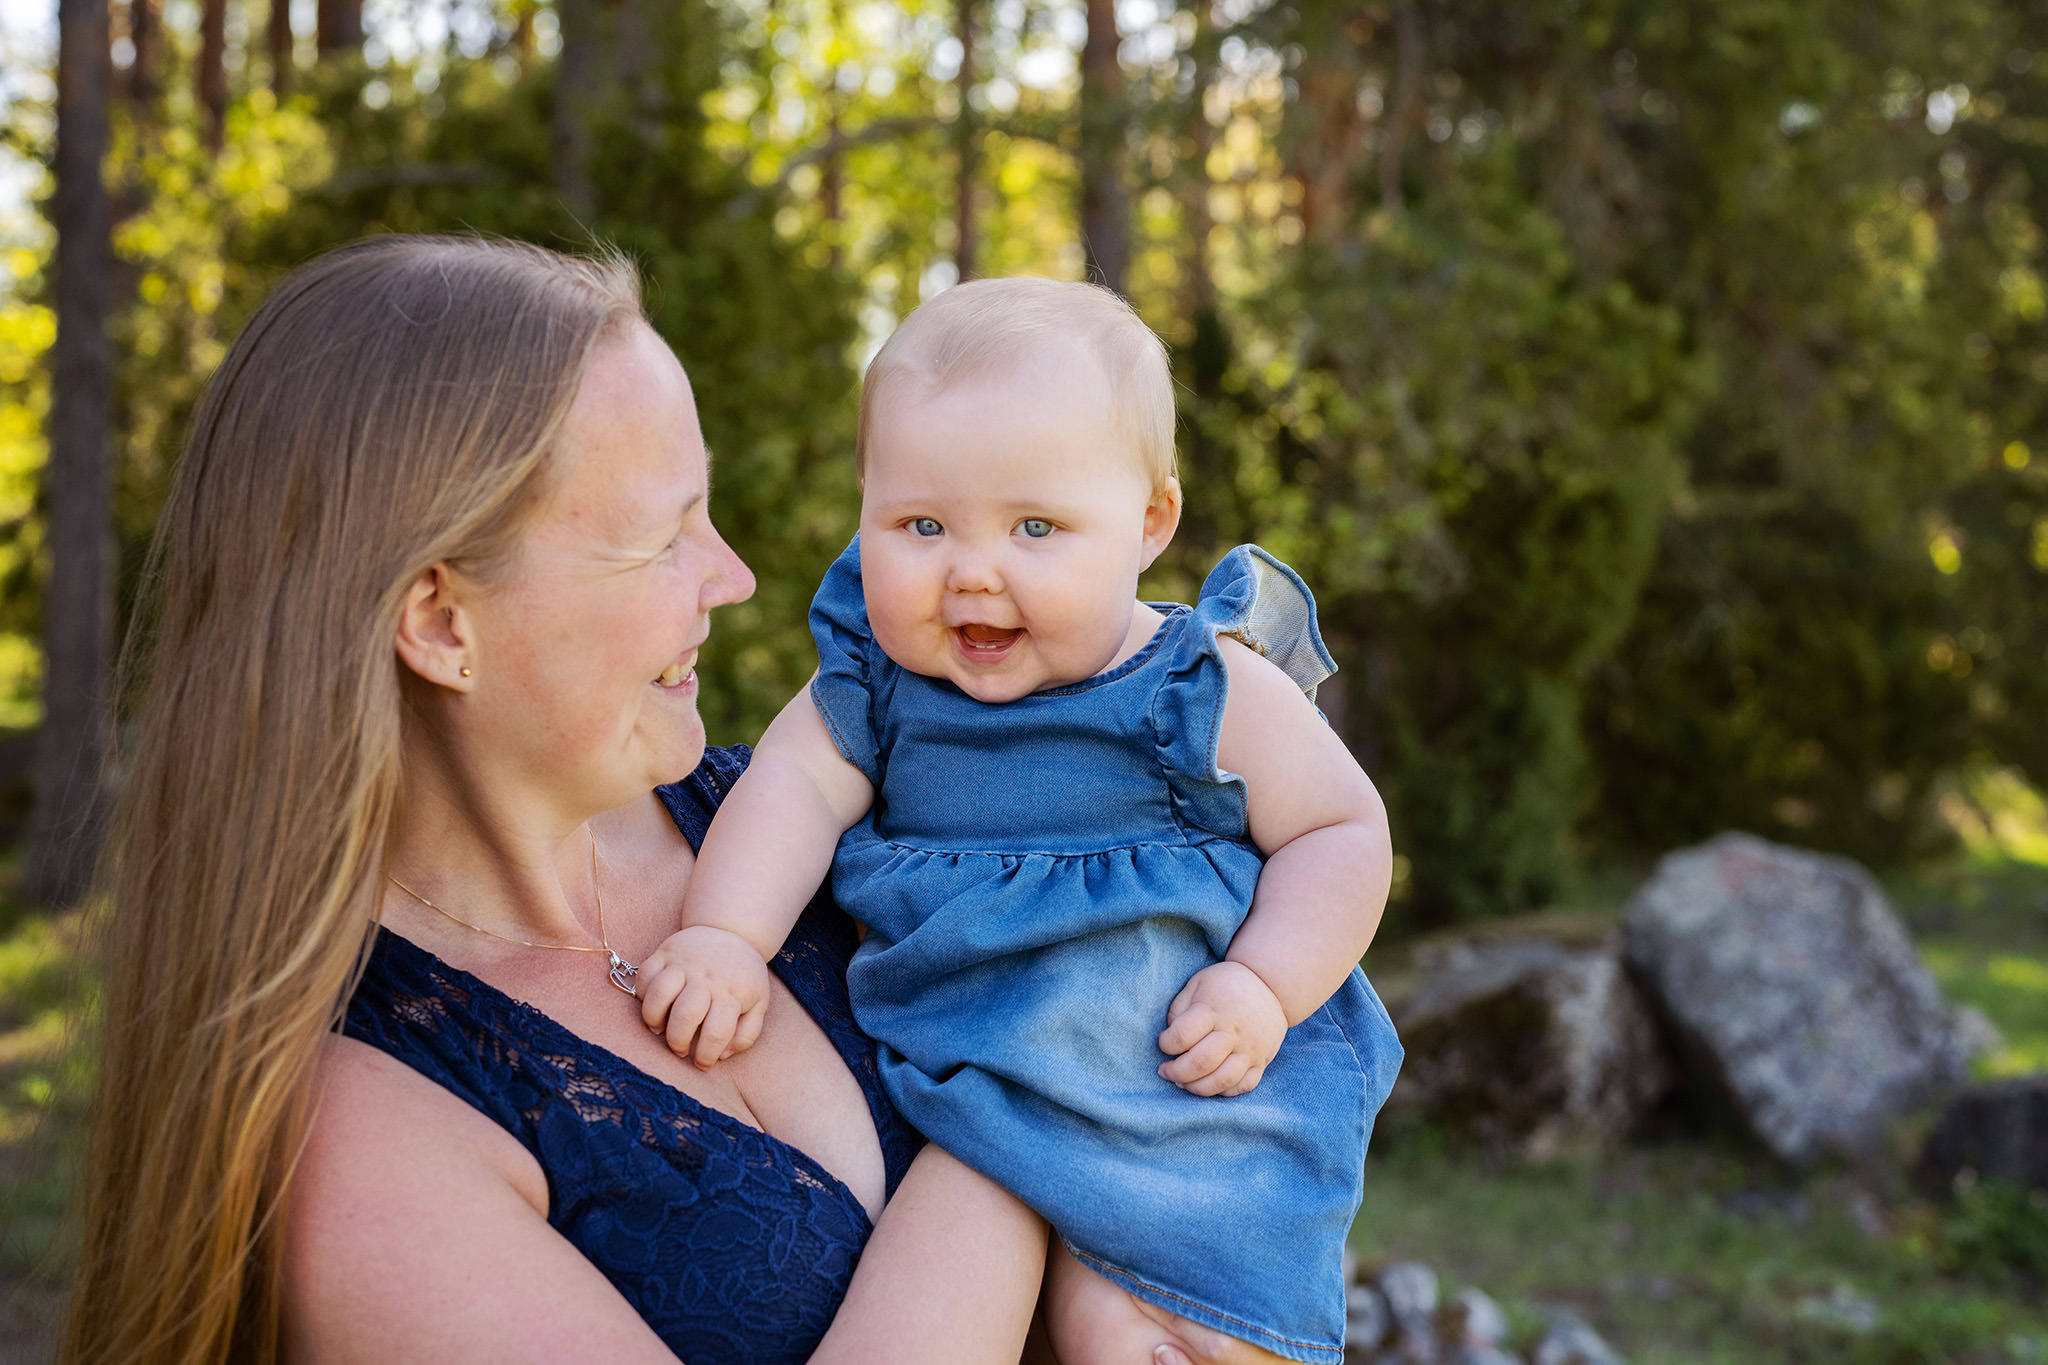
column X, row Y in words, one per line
column 417, row 1230
column 950, row 1275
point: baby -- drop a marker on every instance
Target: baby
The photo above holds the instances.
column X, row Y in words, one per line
column 1114, row 867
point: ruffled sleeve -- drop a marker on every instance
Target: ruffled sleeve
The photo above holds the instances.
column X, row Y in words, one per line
column 1256, row 600
column 846, row 654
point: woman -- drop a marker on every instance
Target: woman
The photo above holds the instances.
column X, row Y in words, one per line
column 428, row 590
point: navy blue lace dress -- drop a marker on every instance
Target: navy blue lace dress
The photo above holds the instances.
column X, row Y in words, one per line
column 734, row 1246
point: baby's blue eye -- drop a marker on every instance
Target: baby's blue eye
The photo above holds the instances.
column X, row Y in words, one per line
column 927, row 526
column 1036, row 527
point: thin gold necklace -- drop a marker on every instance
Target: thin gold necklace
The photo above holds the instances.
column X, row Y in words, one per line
column 621, row 972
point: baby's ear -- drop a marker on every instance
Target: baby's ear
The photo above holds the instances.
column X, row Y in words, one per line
column 1162, row 518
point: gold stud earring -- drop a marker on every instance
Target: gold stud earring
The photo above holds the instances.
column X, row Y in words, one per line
column 465, row 670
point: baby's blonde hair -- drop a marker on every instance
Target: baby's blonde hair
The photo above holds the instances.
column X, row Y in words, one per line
column 974, row 330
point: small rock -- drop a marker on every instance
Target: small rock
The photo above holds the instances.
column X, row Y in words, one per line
column 1759, row 1204
column 1794, row 991
column 2000, row 1131
column 1569, row 1341
column 1472, row 1320
column 1410, row 1348
column 1367, row 1319
column 1866, row 1211
column 1661, row 1288
column 1410, row 1289
column 1843, row 1308
column 1481, row 1355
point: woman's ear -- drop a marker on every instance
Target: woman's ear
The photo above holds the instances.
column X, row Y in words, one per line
column 1162, row 519
column 434, row 632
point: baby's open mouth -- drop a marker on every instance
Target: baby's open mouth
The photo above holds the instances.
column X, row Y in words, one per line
column 979, row 637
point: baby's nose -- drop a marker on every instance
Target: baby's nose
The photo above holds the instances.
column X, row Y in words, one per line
column 970, row 572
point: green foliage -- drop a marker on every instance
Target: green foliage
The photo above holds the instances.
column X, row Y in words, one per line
column 1998, row 1229
column 1664, row 458
column 765, row 337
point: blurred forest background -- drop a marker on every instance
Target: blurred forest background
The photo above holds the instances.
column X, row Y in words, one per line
column 1655, row 392
column 1650, row 391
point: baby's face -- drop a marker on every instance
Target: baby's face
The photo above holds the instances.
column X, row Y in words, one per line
column 1003, row 528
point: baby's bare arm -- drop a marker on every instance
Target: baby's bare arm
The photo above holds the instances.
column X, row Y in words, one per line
column 763, row 857
column 1320, row 823
column 772, row 840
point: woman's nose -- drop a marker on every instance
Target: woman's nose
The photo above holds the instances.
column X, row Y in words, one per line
column 730, row 579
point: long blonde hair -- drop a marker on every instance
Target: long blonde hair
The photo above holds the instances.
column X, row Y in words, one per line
column 388, row 407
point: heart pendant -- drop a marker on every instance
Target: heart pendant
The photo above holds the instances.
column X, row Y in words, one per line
column 622, row 974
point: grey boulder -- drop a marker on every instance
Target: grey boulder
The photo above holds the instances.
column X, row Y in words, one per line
column 1793, row 991
column 1527, row 1042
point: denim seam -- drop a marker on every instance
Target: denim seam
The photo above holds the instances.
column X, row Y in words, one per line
column 1008, row 855
column 1118, row 1272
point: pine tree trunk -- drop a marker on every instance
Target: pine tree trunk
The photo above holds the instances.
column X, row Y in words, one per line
column 277, row 41
column 1198, row 285
column 340, row 27
column 1409, row 60
column 1105, row 200
column 966, row 231
column 600, row 82
column 210, row 80
column 579, row 82
column 78, row 597
column 146, row 36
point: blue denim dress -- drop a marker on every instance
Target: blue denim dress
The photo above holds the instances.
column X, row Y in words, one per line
column 1039, row 879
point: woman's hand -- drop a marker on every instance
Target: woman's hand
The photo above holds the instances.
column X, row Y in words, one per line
column 706, row 989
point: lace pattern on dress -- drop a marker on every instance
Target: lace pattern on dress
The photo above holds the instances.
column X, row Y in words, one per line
column 733, row 1245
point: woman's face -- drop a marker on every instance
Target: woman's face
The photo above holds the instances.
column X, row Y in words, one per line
column 586, row 646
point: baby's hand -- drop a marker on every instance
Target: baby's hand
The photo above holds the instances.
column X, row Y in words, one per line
column 1221, row 1030
column 708, row 985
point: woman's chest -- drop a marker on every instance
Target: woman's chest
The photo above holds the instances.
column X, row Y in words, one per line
column 793, row 1085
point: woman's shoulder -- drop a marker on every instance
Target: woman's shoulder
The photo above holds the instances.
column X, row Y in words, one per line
column 373, row 1107
column 403, row 1200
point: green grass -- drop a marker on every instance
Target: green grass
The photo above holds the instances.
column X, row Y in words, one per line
column 1685, row 1249
column 44, row 1079
column 1982, row 926
column 1688, row 1252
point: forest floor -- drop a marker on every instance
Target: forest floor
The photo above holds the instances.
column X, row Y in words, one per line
column 1684, row 1248
column 1691, row 1247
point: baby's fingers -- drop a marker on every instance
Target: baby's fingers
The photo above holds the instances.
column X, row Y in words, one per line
column 658, row 985
column 720, row 1023
column 1190, row 1026
column 1249, row 1083
column 685, row 1016
column 1199, row 1061
column 1225, row 1079
column 749, row 1029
